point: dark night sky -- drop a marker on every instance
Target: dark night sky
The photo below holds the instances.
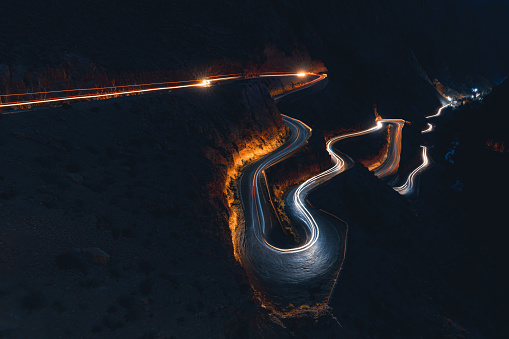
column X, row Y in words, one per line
column 469, row 35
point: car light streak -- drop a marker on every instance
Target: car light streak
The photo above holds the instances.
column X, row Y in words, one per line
column 391, row 164
column 409, row 186
column 428, row 129
column 439, row 112
column 113, row 88
column 320, row 77
column 299, row 196
column 94, row 96
column 278, row 74
column 155, row 87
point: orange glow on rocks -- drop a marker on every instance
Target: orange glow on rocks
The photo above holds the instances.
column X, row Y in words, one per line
column 377, row 161
column 289, row 84
column 252, row 150
column 497, row 146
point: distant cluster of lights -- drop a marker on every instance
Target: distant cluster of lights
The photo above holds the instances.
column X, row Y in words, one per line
column 476, row 94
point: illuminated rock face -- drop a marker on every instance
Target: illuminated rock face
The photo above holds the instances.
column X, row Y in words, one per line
column 253, row 127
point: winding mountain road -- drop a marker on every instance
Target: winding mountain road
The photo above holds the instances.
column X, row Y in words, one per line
column 289, row 275
column 300, row 274
column 410, row 187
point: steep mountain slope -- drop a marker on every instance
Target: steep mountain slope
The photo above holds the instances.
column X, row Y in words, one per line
column 115, row 215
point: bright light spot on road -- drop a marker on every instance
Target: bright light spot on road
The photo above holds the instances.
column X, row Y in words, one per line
column 301, row 74
column 449, row 98
column 205, row 82
column 475, row 90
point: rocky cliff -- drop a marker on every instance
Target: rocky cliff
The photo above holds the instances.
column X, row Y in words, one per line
column 115, row 215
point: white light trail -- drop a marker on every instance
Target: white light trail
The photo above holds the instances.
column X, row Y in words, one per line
column 428, row 129
column 409, row 185
column 439, row 112
column 299, row 197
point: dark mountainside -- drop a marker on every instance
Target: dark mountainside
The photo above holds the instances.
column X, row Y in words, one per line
column 474, row 175
column 146, row 179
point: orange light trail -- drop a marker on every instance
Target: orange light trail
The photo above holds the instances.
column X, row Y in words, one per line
column 93, row 88
column 166, row 86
